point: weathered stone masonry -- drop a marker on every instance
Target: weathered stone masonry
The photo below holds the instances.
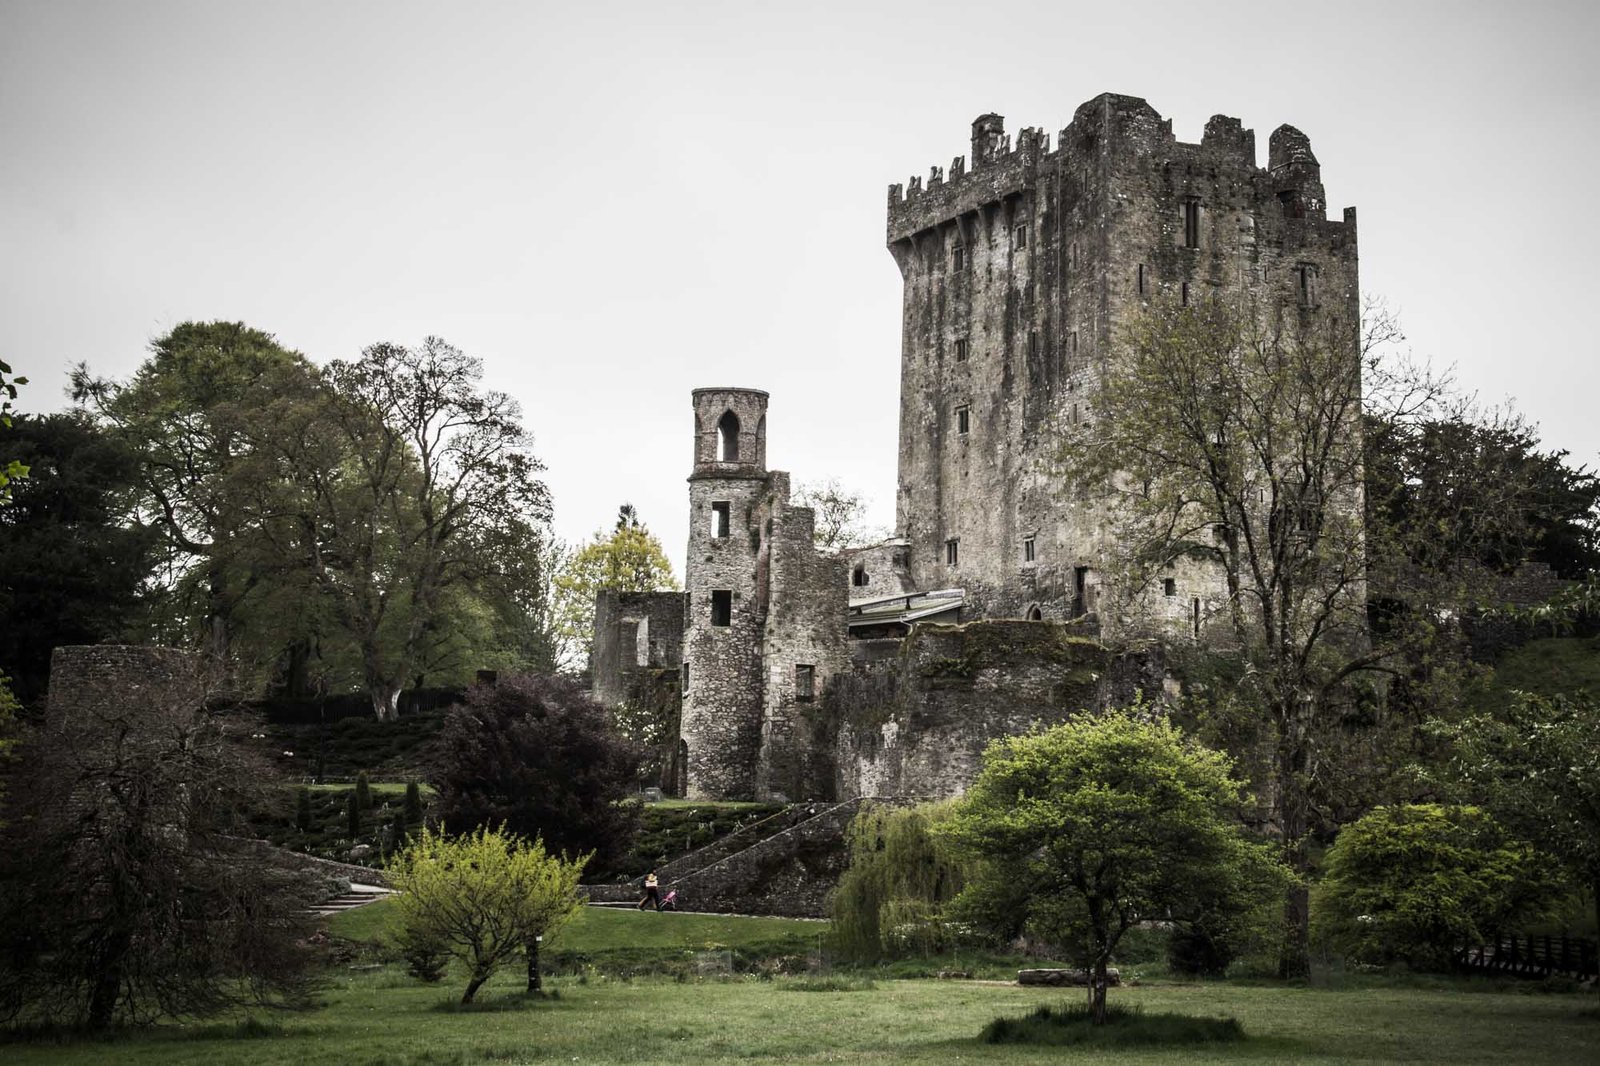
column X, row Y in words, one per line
column 1020, row 267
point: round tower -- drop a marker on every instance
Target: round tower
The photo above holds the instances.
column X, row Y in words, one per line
column 726, row 604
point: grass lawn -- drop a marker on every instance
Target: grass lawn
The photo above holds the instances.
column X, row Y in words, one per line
column 383, row 1018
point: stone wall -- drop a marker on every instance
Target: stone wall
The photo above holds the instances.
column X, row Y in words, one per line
column 916, row 726
column 92, row 675
column 804, row 632
column 790, row 873
column 633, row 631
column 1019, row 268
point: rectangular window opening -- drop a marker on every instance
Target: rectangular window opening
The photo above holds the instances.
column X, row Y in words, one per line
column 1183, row 294
column 721, row 518
column 805, row 681
column 1027, row 549
column 1195, row 607
column 958, row 258
column 1033, row 343
column 1141, row 279
column 722, row 607
column 1022, row 236
column 952, row 551
column 961, row 349
column 1191, row 224
column 1169, row 586
column 963, row 418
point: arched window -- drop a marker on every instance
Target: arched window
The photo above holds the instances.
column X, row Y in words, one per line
column 728, row 438
column 1034, row 614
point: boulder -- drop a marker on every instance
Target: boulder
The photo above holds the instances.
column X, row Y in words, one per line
column 1062, row 978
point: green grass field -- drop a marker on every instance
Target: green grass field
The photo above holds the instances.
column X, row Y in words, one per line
column 380, row 1017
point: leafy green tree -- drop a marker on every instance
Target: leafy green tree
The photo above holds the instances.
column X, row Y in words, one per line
column 539, row 757
column 196, row 412
column 892, row 899
column 412, row 484
column 1536, row 766
column 76, row 564
column 1420, row 883
column 14, row 468
column 413, row 804
column 484, row 897
column 1227, row 437
column 1108, row 822
column 628, row 559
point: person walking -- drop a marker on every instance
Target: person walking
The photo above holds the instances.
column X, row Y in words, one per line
column 652, row 892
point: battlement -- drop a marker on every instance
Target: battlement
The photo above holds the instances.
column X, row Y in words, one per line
column 1108, row 124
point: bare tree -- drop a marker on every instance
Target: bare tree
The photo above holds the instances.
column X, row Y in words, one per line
column 126, row 893
column 841, row 515
column 1230, row 436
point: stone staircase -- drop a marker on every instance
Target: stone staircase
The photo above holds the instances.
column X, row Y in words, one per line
column 358, row 896
column 756, row 870
column 629, row 892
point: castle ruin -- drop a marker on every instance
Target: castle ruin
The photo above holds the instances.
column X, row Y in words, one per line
column 816, row 675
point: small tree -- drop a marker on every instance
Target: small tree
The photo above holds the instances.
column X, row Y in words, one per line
column 483, row 897
column 352, row 815
column 413, row 803
column 129, row 887
column 1417, row 884
column 891, row 900
column 1109, row 822
column 363, row 791
column 538, row 756
column 302, row 810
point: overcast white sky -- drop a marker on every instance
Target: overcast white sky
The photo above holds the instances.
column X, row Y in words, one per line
column 613, row 204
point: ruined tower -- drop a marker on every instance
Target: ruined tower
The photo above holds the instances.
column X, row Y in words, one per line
column 1019, row 267
column 765, row 624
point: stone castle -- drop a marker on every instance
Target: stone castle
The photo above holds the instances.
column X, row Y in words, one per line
column 886, row 670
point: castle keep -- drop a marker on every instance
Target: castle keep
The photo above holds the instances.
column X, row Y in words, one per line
column 832, row 676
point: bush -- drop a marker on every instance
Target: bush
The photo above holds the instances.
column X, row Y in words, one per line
column 1417, row 884
column 413, row 804
column 1068, row 1025
column 426, row 956
column 363, row 791
column 1197, row 953
column 352, row 813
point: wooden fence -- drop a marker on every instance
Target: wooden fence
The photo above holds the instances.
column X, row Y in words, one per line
column 1537, row 956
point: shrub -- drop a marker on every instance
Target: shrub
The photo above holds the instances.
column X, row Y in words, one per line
column 413, row 804
column 483, row 897
column 302, row 810
column 1417, row 884
column 363, row 791
column 352, row 814
column 1065, row 1026
column 891, row 901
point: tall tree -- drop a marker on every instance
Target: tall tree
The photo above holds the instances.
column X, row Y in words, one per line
column 193, row 412
column 628, row 559
column 411, row 485
column 75, row 562
column 1231, row 435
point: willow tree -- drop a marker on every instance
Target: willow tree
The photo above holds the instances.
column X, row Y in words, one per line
column 1229, row 437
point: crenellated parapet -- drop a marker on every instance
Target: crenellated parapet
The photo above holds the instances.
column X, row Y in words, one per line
column 997, row 170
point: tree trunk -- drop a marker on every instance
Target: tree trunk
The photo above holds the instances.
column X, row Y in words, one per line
column 1097, row 991
column 534, row 983
column 103, row 998
column 385, row 701
column 473, row 986
column 1294, row 960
